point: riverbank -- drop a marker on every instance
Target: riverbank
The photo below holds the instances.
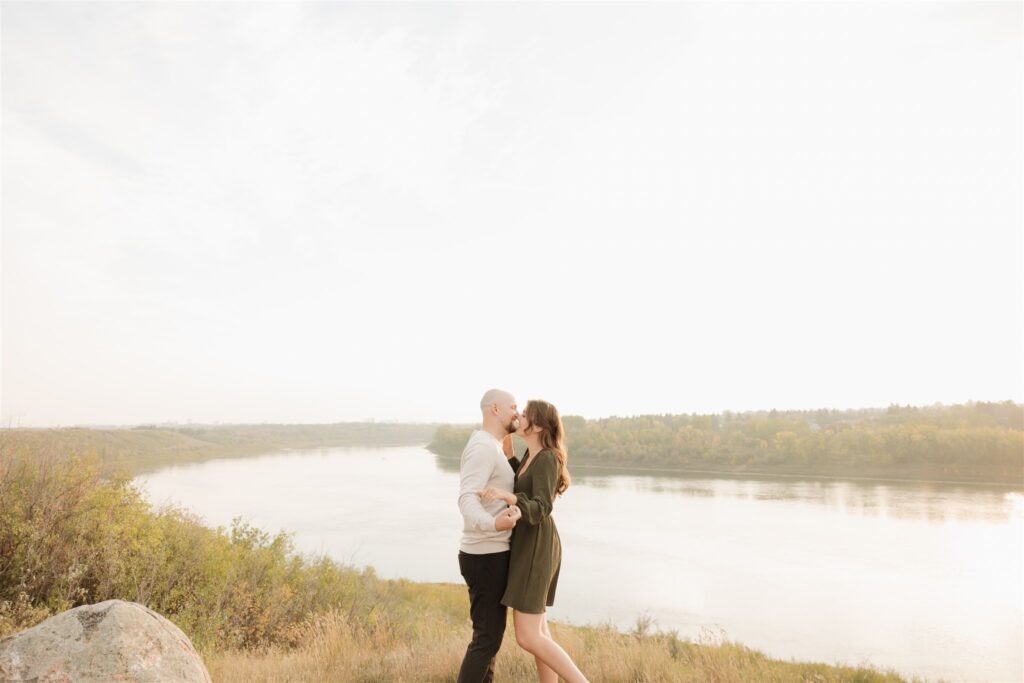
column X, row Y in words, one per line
column 979, row 444
column 258, row 611
column 147, row 448
column 975, row 443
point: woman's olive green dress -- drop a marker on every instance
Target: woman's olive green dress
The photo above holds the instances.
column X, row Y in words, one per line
column 536, row 549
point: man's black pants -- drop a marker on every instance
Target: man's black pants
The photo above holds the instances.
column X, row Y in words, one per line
column 486, row 576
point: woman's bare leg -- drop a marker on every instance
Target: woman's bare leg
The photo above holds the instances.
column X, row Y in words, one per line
column 545, row 674
column 531, row 637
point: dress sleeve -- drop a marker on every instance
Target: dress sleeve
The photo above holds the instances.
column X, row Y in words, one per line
column 538, row 503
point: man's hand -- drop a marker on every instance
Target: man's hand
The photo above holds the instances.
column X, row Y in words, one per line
column 508, row 518
column 506, row 446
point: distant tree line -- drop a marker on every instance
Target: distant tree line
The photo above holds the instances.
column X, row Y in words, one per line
column 149, row 447
column 972, row 441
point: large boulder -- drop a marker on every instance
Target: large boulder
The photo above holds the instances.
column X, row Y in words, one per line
column 109, row 641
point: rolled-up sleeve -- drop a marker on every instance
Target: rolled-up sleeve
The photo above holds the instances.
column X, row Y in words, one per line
column 475, row 472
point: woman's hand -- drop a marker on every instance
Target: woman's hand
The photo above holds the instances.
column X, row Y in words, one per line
column 506, row 446
column 490, row 493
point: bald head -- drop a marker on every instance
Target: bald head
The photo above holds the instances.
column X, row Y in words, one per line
column 496, row 397
column 501, row 417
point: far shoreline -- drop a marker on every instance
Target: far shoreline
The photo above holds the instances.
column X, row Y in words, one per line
column 977, row 444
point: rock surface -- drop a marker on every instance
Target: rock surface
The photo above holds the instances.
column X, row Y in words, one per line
column 109, row 641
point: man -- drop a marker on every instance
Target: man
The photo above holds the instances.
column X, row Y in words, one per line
column 486, row 531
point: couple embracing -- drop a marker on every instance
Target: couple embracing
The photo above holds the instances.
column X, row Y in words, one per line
column 510, row 553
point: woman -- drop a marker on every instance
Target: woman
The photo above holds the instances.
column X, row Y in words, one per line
column 536, row 549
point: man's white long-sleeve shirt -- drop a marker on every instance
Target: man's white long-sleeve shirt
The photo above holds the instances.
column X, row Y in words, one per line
column 483, row 464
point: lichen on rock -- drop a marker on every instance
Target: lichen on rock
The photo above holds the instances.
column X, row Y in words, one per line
column 112, row 640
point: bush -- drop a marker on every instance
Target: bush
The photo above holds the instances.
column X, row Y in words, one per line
column 72, row 533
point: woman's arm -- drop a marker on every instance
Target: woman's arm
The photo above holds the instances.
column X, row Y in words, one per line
column 537, row 506
column 493, row 493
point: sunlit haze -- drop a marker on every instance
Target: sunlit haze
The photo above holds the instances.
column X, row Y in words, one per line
column 234, row 212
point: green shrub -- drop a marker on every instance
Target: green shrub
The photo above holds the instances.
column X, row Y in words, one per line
column 74, row 533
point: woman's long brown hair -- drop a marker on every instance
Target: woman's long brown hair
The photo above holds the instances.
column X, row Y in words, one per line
column 544, row 415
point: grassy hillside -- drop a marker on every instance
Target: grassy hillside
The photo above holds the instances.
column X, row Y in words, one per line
column 74, row 530
column 429, row 648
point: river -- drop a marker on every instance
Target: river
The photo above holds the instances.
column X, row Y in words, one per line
column 925, row 579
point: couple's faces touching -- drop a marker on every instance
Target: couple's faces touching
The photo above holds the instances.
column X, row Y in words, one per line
column 519, row 424
column 510, row 417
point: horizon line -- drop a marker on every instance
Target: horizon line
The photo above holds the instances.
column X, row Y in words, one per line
column 383, row 421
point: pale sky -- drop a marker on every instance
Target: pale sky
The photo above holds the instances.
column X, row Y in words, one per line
column 326, row 212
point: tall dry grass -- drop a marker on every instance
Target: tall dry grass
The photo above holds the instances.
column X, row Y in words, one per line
column 427, row 650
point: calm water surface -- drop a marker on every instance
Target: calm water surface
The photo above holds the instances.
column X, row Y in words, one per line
column 925, row 579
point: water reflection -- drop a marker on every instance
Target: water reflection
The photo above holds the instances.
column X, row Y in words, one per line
column 935, row 503
column 925, row 578
column 931, row 502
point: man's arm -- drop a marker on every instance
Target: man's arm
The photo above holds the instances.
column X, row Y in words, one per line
column 475, row 472
column 507, row 518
